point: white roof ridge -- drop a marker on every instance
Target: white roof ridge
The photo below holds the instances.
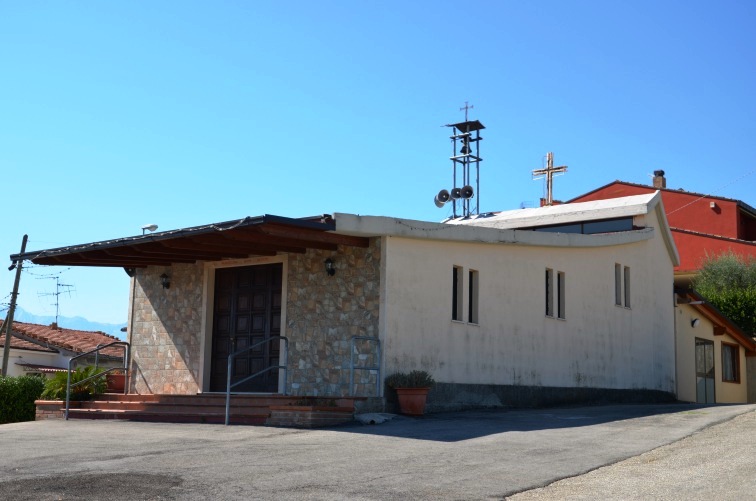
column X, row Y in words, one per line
column 565, row 213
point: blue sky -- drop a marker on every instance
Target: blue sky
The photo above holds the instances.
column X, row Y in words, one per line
column 114, row 115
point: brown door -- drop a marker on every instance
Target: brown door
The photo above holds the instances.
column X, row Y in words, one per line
column 247, row 311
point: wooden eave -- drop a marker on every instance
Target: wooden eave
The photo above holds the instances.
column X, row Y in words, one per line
column 265, row 235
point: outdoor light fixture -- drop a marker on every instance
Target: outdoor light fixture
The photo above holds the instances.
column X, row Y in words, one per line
column 149, row 227
column 165, row 281
column 329, row 267
column 694, row 323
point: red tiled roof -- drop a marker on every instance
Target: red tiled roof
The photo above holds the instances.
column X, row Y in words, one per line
column 741, row 203
column 67, row 339
column 23, row 344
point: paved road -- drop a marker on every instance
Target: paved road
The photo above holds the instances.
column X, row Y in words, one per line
column 717, row 463
column 468, row 455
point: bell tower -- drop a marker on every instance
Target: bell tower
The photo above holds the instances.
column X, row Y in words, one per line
column 465, row 159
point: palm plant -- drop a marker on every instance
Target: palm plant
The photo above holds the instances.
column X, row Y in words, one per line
column 82, row 388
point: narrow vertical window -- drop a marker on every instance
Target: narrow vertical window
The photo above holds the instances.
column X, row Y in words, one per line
column 730, row 363
column 457, row 293
column 627, row 287
column 560, row 295
column 472, row 299
column 618, row 284
column 549, row 293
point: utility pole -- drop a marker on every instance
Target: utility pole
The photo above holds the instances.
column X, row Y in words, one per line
column 9, row 319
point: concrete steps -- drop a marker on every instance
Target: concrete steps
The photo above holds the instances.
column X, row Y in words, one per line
column 205, row 408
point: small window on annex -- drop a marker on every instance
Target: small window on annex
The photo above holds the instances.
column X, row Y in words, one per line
column 627, row 287
column 549, row 292
column 560, row 295
column 730, row 363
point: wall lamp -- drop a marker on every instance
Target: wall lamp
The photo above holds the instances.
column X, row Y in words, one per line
column 165, row 281
column 694, row 323
column 330, row 267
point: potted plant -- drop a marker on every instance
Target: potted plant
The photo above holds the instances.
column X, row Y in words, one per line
column 115, row 381
column 412, row 390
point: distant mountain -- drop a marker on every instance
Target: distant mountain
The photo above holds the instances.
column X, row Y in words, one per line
column 77, row 323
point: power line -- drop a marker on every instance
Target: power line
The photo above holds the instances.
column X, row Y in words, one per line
column 709, row 195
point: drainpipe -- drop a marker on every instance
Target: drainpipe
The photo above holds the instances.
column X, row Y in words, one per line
column 129, row 330
column 674, row 323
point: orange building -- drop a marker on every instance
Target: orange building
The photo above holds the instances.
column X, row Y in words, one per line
column 702, row 225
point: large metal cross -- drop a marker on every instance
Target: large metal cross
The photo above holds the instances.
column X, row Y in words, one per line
column 549, row 172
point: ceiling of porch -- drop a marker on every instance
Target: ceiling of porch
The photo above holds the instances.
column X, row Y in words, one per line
column 252, row 236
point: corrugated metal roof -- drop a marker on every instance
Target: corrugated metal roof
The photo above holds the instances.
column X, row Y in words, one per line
column 250, row 236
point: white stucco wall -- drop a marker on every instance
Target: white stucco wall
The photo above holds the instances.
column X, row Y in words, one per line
column 33, row 357
column 598, row 345
column 724, row 392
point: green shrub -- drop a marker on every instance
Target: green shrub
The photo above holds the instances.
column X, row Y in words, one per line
column 728, row 281
column 17, row 396
column 55, row 387
column 414, row 379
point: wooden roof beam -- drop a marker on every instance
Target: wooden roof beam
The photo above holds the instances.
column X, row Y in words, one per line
column 313, row 235
column 149, row 250
column 255, row 244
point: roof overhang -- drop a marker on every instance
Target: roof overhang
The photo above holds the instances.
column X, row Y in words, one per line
column 375, row 226
column 265, row 235
column 611, row 208
column 41, row 368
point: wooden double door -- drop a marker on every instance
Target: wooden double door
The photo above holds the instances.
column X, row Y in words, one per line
column 247, row 311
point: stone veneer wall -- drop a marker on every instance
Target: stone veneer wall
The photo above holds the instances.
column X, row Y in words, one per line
column 322, row 315
column 165, row 337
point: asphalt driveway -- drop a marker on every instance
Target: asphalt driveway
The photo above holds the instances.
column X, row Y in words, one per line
column 465, row 455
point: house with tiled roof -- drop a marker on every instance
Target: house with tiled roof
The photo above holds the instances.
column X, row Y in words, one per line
column 701, row 224
column 46, row 349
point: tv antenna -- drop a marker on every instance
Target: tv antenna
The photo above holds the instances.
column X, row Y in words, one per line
column 59, row 289
column 465, row 157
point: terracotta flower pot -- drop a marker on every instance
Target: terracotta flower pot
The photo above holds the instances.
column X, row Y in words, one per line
column 412, row 400
column 116, row 383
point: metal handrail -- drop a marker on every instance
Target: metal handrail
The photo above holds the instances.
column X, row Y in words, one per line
column 244, row 350
column 126, row 353
column 352, row 367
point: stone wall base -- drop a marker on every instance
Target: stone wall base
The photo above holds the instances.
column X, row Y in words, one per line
column 454, row 397
column 307, row 416
column 369, row 404
column 49, row 409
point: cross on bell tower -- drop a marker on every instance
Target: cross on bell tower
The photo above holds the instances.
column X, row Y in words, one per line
column 549, row 172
